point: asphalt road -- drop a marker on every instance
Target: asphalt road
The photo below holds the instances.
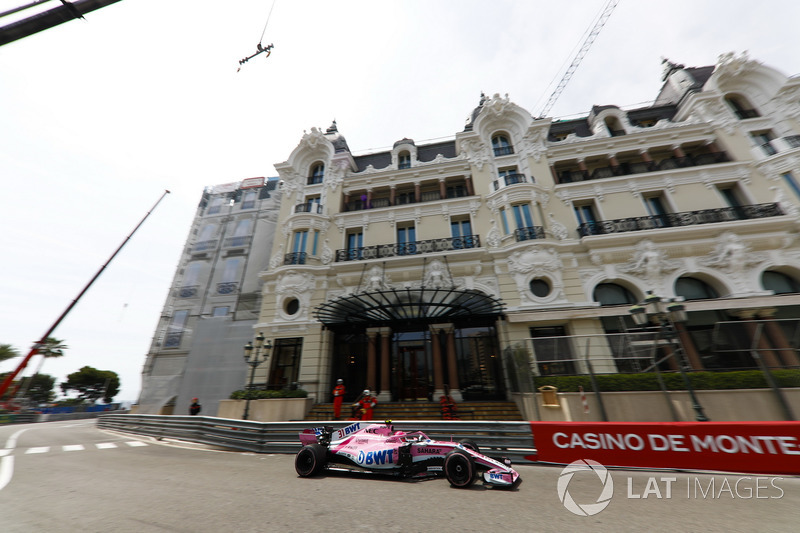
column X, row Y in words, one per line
column 72, row 477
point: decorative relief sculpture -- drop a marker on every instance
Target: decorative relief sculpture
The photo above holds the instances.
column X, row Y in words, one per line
column 475, row 152
column 650, row 264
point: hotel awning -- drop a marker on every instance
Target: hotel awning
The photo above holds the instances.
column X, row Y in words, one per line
column 392, row 306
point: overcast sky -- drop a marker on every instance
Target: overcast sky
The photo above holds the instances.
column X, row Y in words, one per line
column 99, row 117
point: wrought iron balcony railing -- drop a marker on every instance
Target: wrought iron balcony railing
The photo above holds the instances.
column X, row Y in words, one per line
column 503, row 150
column 688, row 218
column 173, row 339
column 227, row 287
column 526, row 234
column 241, row 240
column 188, row 291
column 295, row 258
column 204, row 245
column 409, row 248
column 308, row 208
column 313, row 180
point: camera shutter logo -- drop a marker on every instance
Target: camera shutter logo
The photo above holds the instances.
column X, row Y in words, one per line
column 586, row 509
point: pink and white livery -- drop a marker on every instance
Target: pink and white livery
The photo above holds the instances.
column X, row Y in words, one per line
column 379, row 448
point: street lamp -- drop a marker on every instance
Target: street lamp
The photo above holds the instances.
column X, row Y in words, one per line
column 666, row 315
column 254, row 360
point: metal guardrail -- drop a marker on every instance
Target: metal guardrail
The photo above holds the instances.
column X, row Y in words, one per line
column 510, row 439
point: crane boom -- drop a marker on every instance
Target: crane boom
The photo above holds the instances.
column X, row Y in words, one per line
column 587, row 43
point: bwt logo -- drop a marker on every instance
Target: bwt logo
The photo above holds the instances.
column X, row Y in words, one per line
column 378, row 457
column 586, row 509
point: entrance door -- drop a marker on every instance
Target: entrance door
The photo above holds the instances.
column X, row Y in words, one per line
column 413, row 376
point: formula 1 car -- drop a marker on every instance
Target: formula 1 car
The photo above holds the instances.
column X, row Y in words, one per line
column 378, row 448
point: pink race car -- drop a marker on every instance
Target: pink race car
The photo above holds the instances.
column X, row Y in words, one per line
column 379, row 448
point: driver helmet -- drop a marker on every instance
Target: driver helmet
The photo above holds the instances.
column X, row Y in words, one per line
column 339, row 381
column 366, row 392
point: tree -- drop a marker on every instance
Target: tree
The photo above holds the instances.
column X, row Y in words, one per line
column 39, row 388
column 7, row 352
column 50, row 348
column 91, row 384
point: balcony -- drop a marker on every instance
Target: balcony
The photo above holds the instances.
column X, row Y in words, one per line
column 173, row 339
column 527, row 234
column 688, row 218
column 409, row 248
column 308, row 208
column 510, row 179
column 642, row 167
column 295, row 258
column 503, row 150
column 314, row 180
column 202, row 246
column 227, row 287
column 792, row 141
column 188, row 291
column 242, row 240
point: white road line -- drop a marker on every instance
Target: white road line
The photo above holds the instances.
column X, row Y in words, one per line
column 6, row 470
column 39, row 449
column 73, row 448
column 5, row 452
column 135, row 443
column 105, row 445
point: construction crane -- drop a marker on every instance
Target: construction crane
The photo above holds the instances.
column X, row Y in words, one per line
column 64, row 12
column 587, row 43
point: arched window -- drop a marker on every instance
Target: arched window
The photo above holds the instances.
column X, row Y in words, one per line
column 741, row 107
column 403, row 160
column 694, row 289
column 317, row 173
column 779, row 283
column 614, row 127
column 613, row 294
column 501, row 145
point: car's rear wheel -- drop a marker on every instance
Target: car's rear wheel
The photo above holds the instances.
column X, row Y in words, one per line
column 311, row 460
column 471, row 444
column 459, row 469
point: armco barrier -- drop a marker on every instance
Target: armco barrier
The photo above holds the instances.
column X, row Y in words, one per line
column 750, row 447
column 509, row 439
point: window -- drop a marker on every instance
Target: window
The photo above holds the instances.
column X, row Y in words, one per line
column 317, row 174
column 522, row 215
column 461, row 230
column 613, row 294
column 205, row 240
column 510, row 176
column 220, row 311
column 298, row 255
column 230, row 274
column 694, row 289
column 404, row 160
column 553, row 350
column 539, row 287
column 587, row 220
column 214, row 206
column 355, row 244
column 655, row 208
column 175, row 329
column 241, row 235
column 741, row 107
column 406, row 240
column 501, row 146
column 763, row 139
column 249, row 201
column 311, row 205
column 191, row 276
column 285, row 365
column 779, row 283
column 292, row 306
column 614, row 127
column 788, row 177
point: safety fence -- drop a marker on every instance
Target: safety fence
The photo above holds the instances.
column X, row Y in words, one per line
column 509, row 439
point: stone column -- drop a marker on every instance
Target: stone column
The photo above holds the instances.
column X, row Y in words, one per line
column 417, row 192
column 678, row 151
column 692, row 356
column 777, row 338
column 763, row 347
column 392, row 193
column 583, row 169
column 442, row 189
column 386, row 366
column 452, row 365
column 647, row 158
column 369, row 199
column 470, row 186
column 372, row 349
column 438, row 381
column 613, row 163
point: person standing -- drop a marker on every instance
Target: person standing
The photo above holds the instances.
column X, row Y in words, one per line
column 338, row 396
column 448, row 405
column 367, row 402
column 195, row 408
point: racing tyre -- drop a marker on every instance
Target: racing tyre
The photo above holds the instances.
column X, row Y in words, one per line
column 311, row 460
column 459, row 469
column 469, row 443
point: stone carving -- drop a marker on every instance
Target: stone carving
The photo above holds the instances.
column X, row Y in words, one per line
column 313, row 139
column 493, row 237
column 436, row 275
column 534, row 258
column 732, row 256
column 336, row 174
column 327, row 253
column 295, row 282
column 533, row 143
column 557, row 229
column 277, row 259
column 786, row 206
column 376, row 280
column 496, row 105
column 476, row 152
column 649, row 263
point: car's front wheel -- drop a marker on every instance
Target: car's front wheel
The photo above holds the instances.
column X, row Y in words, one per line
column 459, row 469
column 311, row 460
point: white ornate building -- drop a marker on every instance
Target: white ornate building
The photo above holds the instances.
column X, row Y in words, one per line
column 424, row 265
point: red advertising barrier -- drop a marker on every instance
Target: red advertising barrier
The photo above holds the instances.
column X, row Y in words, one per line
column 751, row 447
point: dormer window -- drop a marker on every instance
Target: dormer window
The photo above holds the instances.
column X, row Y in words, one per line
column 614, row 127
column 317, row 174
column 501, row 145
column 403, row 160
